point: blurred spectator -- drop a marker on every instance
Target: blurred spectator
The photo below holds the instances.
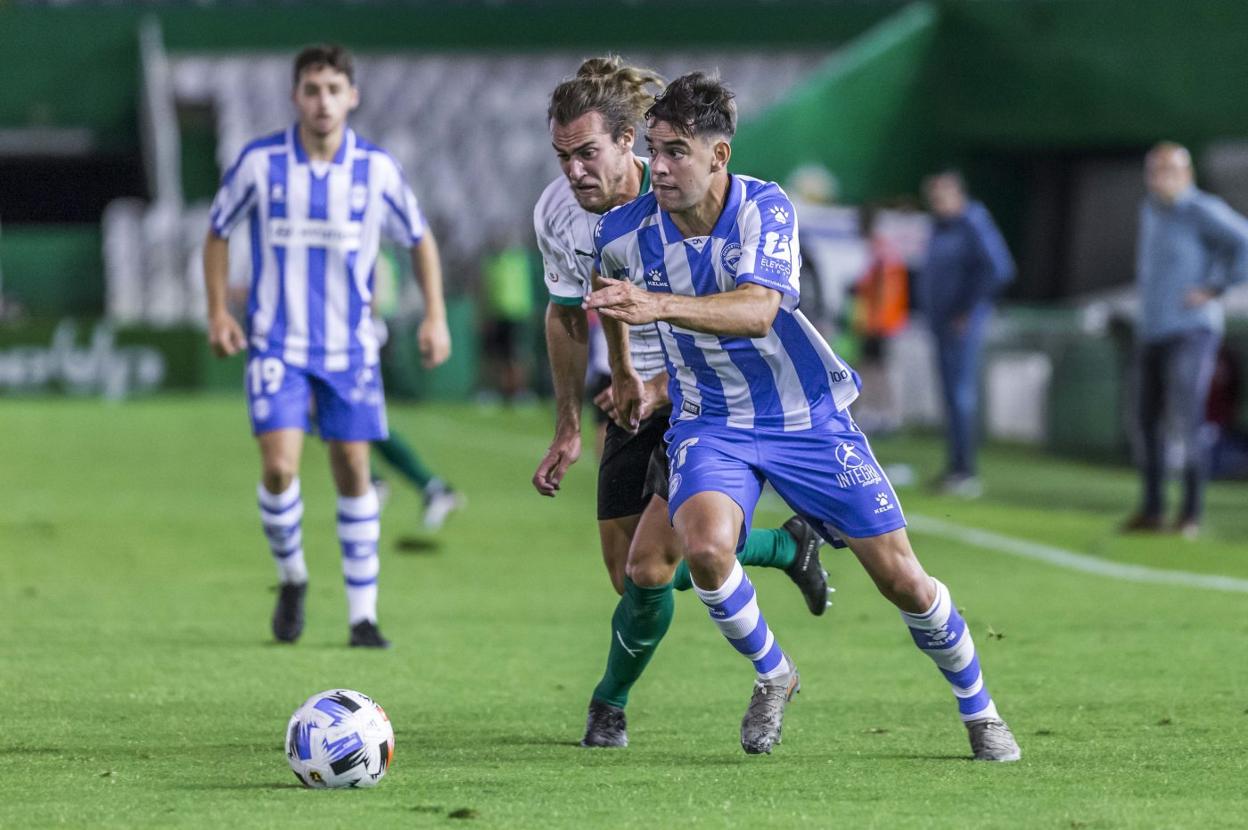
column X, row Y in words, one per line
column 1191, row 247
column 834, row 253
column 881, row 311
column 1228, row 444
column 510, row 308
column 967, row 265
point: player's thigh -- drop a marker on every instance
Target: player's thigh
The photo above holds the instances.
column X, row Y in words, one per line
column 714, row 468
column 892, row 565
column 350, row 405
column 656, row 549
column 280, row 450
column 829, row 476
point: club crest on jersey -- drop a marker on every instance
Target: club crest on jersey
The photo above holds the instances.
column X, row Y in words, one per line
column 359, row 197
column 730, row 258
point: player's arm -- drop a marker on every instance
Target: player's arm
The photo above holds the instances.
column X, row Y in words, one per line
column 627, row 389
column 225, row 335
column 567, row 344
column 433, row 335
column 746, row 311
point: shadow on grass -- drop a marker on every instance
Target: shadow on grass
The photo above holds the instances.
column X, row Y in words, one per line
column 416, row 544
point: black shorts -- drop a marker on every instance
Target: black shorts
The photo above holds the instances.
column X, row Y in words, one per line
column 624, row 473
column 596, row 384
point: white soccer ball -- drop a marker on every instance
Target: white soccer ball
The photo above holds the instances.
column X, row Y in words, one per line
column 339, row 738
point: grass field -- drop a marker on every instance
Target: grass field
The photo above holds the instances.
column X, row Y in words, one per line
column 142, row 690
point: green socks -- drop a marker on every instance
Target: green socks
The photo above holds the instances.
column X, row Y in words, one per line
column 400, row 455
column 765, row 548
column 641, row 618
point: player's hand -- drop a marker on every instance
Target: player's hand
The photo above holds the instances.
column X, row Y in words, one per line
column 434, row 339
column 605, row 400
column 1198, row 297
column 225, row 335
column 623, row 301
column 628, row 392
column 654, row 396
column 562, row 454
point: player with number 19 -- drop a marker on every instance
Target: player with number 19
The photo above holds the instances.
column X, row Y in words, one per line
column 315, row 200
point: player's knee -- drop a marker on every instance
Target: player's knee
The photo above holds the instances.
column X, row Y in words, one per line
column 278, row 475
column 910, row 589
column 649, row 573
column 703, row 550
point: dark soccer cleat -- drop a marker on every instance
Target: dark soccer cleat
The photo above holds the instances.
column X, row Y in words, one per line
column 807, row 571
column 760, row 728
column 288, row 615
column 992, row 740
column 366, row 634
column 605, row 726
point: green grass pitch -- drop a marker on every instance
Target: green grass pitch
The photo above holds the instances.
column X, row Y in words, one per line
column 140, row 688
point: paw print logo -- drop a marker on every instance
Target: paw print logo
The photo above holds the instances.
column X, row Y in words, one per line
column 655, row 276
column 881, row 499
column 781, row 215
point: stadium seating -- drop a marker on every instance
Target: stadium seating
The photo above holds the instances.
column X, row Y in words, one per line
column 468, row 128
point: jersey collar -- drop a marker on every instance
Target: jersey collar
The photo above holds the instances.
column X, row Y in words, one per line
column 723, row 225
column 301, row 156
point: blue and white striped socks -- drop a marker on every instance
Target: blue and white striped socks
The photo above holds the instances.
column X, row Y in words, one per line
column 281, row 515
column 941, row 634
column 734, row 609
column 359, row 528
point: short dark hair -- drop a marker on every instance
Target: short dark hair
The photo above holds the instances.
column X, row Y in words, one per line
column 325, row 54
column 618, row 92
column 695, row 105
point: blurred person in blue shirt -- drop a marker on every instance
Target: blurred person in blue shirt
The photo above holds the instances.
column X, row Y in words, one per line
column 966, row 266
column 1191, row 247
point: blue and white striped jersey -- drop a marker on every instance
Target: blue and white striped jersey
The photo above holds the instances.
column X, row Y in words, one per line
column 315, row 229
column 788, row 380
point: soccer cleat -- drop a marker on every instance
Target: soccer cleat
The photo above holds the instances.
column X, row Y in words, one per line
column 992, row 740
column 1188, row 527
column 1141, row 523
column 962, row 486
column 366, row 634
column 760, row 728
column 807, row 571
column 605, row 726
column 288, row 615
column 440, row 501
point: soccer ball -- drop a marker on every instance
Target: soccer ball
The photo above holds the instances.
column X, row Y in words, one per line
column 339, row 738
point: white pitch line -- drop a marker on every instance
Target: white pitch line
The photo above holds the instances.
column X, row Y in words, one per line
column 1071, row 560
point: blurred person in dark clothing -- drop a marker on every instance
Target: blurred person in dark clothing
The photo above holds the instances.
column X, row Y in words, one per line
column 967, row 265
column 1191, row 247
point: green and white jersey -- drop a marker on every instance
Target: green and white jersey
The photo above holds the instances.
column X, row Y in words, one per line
column 565, row 236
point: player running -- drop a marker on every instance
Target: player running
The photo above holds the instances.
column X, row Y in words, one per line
column 757, row 394
column 592, row 118
column 317, row 198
